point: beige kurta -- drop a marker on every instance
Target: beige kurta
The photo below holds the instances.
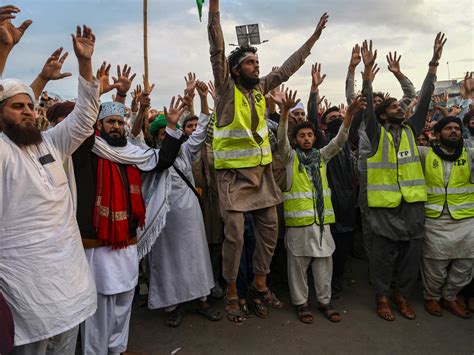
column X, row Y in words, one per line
column 251, row 188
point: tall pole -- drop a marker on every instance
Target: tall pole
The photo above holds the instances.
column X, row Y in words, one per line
column 449, row 75
column 145, row 40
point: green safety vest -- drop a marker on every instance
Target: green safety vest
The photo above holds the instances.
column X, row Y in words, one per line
column 299, row 202
column 393, row 174
column 234, row 145
column 458, row 195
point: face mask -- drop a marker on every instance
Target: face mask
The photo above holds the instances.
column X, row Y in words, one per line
column 333, row 126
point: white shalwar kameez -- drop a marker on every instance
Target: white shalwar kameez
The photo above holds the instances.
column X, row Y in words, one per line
column 180, row 265
column 44, row 274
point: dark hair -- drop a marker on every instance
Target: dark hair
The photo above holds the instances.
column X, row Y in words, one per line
column 381, row 109
column 327, row 112
column 61, row 109
column 301, row 125
column 238, row 53
column 189, row 118
column 467, row 117
column 378, row 94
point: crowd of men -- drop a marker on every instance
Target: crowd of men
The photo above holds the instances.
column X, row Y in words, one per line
column 175, row 205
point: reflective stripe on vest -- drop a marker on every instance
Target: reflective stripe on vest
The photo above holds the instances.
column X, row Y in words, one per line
column 234, row 145
column 393, row 174
column 458, row 195
column 299, row 201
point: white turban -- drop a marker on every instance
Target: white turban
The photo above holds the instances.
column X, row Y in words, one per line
column 111, row 109
column 298, row 106
column 12, row 87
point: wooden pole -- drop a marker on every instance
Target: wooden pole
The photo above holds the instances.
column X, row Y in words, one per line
column 145, row 40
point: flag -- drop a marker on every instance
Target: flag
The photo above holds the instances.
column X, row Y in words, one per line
column 199, row 4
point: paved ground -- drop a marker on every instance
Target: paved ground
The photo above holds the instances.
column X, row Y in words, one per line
column 360, row 331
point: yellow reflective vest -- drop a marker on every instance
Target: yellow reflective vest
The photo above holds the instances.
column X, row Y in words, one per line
column 299, row 202
column 458, row 195
column 393, row 174
column 234, row 145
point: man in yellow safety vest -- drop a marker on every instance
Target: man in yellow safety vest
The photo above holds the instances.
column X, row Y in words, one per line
column 308, row 209
column 448, row 251
column 242, row 158
column 396, row 189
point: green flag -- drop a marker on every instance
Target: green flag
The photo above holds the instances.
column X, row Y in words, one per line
column 199, row 4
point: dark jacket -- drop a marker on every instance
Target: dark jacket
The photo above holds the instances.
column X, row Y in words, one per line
column 85, row 171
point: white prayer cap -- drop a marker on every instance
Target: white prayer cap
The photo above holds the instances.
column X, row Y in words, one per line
column 298, row 106
column 111, row 109
column 12, row 87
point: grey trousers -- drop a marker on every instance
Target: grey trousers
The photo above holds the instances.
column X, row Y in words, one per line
column 61, row 344
column 266, row 235
column 445, row 278
column 298, row 278
column 394, row 264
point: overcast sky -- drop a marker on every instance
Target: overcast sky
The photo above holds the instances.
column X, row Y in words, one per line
column 178, row 41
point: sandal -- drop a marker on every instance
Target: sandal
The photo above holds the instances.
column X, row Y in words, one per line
column 208, row 312
column 235, row 316
column 455, row 309
column 244, row 307
column 175, row 318
column 257, row 301
column 304, row 314
column 383, row 309
column 329, row 312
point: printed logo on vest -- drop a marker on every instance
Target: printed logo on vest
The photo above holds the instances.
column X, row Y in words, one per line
column 460, row 162
column 435, row 164
column 258, row 97
column 404, row 154
column 244, row 102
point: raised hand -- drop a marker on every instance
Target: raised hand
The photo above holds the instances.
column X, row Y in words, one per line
column 355, row 57
column 439, row 42
column 468, row 85
column 286, row 101
column 368, row 55
column 393, row 63
column 123, row 81
column 202, row 88
column 52, row 68
column 317, row 79
column 144, row 100
column 137, row 92
column 357, row 104
column 83, row 43
column 104, row 80
column 147, row 87
column 175, row 111
column 321, row 25
column 9, row 34
column 212, row 90
column 190, row 81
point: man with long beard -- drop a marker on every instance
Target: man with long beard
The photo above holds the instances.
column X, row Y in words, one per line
column 242, row 159
column 110, row 209
column 44, row 274
column 396, row 189
column 448, row 251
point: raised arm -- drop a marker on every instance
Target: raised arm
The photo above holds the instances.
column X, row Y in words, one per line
column 295, row 61
column 70, row 133
column 354, row 62
column 285, row 101
column 417, row 120
column 335, row 145
column 220, row 67
column 409, row 92
column 51, row 71
column 123, row 82
column 316, row 81
column 9, row 34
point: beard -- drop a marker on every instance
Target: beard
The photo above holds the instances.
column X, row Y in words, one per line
column 333, row 126
column 395, row 120
column 471, row 131
column 114, row 142
column 22, row 136
column 449, row 143
column 248, row 82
